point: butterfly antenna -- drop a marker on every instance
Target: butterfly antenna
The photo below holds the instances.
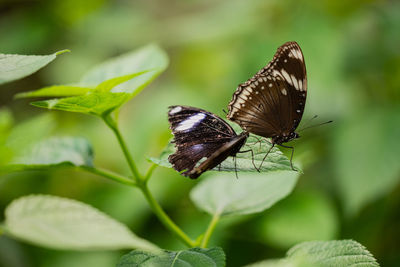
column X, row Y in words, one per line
column 224, row 111
column 312, row 126
column 309, row 120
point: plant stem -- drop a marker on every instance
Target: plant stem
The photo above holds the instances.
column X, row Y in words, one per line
column 109, row 175
column 163, row 217
column 141, row 183
column 150, row 172
column 210, row 230
column 113, row 126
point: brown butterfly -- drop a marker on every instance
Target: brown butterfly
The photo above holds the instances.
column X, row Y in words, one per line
column 271, row 103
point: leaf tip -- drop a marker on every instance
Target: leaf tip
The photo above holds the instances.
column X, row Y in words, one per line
column 63, row 51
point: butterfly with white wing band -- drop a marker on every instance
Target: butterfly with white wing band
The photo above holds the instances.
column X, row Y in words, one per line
column 199, row 134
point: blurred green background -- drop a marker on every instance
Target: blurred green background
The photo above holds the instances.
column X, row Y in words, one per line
column 350, row 186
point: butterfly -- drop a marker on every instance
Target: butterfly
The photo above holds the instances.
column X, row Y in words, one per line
column 199, row 134
column 271, row 103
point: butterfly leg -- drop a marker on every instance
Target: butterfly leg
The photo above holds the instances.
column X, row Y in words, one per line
column 269, row 150
column 291, row 156
column 252, row 157
column 234, row 159
column 219, row 167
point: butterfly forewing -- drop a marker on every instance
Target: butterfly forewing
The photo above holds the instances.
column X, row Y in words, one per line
column 198, row 135
column 272, row 102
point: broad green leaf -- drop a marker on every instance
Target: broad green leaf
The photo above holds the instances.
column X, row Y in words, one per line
column 275, row 161
column 67, row 151
column 107, row 86
column 333, row 253
column 324, row 254
column 253, row 192
column 194, row 257
column 14, row 67
column 23, row 135
column 56, row 91
column 95, row 103
column 366, row 154
column 61, row 223
column 301, row 217
column 150, row 58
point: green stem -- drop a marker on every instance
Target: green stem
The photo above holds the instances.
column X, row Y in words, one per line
column 210, row 230
column 113, row 126
column 150, row 172
column 141, row 183
column 163, row 217
column 109, row 175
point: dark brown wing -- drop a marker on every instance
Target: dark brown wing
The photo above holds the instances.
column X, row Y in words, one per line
column 198, row 135
column 272, row 102
column 219, row 155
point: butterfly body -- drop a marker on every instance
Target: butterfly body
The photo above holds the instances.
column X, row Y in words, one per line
column 202, row 139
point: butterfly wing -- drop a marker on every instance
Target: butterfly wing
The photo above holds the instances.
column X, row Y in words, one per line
column 272, row 102
column 197, row 134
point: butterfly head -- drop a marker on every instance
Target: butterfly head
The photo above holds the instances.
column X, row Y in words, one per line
column 280, row 139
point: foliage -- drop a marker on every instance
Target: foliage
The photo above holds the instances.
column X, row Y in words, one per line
column 328, row 253
column 348, row 186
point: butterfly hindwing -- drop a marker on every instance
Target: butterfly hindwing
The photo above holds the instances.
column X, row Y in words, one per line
column 199, row 134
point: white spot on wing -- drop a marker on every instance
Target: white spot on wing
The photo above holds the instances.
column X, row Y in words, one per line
column 295, row 83
column 286, row 76
column 284, row 92
column 190, row 122
column 175, row 110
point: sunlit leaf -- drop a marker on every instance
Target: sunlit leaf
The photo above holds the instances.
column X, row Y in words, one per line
column 150, row 58
column 275, row 160
column 367, row 157
column 194, row 257
column 14, row 67
column 67, row 151
column 56, row 91
column 253, row 192
column 95, row 103
column 333, row 253
column 301, row 217
column 62, row 223
column 324, row 254
column 107, row 86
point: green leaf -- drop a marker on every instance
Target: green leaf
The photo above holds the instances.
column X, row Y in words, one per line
column 252, row 192
column 66, row 151
column 150, row 58
column 95, row 103
column 367, row 157
column 61, row 223
column 333, row 253
column 275, row 161
column 301, row 217
column 107, row 86
column 194, row 257
column 56, row 91
column 324, row 254
column 24, row 135
column 14, row 67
